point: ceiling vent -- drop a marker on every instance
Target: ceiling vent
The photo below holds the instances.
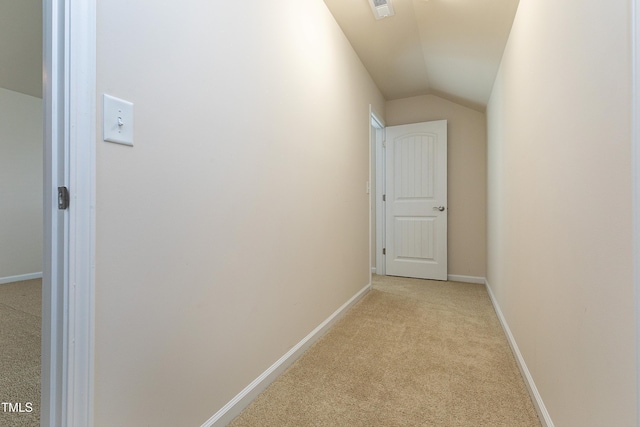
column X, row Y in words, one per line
column 381, row 8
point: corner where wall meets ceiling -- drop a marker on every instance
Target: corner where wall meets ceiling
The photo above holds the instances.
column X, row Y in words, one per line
column 449, row 48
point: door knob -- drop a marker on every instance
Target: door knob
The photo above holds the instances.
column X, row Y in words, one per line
column 438, row 208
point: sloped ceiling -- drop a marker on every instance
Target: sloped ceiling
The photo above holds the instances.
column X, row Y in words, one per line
column 21, row 46
column 450, row 48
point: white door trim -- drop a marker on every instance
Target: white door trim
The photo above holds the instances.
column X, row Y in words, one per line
column 635, row 147
column 69, row 59
column 380, row 183
column 54, row 275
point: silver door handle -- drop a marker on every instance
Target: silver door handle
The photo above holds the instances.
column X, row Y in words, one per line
column 438, row 208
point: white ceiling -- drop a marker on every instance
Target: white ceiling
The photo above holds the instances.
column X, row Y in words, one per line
column 21, row 46
column 450, row 48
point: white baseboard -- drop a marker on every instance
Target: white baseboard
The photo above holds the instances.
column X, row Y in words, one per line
column 373, row 270
column 466, row 279
column 20, row 278
column 233, row 408
column 543, row 414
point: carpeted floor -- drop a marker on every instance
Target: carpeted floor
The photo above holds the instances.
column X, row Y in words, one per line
column 20, row 332
column 410, row 353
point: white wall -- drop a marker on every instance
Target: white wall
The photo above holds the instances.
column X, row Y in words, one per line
column 20, row 184
column 559, row 206
column 239, row 220
column 466, row 175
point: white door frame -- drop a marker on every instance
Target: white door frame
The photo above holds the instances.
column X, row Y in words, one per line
column 378, row 123
column 635, row 149
column 69, row 68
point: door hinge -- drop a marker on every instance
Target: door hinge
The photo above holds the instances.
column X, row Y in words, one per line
column 384, row 143
column 63, row 198
column 384, row 197
column 384, row 251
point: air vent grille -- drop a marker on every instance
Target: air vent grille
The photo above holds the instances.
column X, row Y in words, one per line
column 381, row 8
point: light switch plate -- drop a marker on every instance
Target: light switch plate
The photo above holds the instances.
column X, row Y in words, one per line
column 117, row 121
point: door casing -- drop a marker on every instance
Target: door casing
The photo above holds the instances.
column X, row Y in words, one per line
column 378, row 160
column 69, row 70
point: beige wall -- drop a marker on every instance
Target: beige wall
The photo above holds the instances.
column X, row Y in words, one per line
column 20, row 184
column 559, row 206
column 238, row 221
column 467, row 153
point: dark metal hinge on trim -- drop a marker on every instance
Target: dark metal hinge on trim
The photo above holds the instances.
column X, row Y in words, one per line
column 63, row 198
column 384, row 251
column 384, row 197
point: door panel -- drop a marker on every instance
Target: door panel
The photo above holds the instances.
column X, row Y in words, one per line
column 416, row 183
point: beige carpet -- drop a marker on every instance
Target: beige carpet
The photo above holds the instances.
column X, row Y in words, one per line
column 410, row 353
column 20, row 332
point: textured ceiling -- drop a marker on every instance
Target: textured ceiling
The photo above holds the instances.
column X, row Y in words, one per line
column 450, row 48
column 21, row 46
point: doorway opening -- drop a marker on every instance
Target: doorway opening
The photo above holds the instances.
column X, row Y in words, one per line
column 21, row 215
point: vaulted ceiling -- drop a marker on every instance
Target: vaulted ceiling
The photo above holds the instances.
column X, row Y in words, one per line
column 450, row 48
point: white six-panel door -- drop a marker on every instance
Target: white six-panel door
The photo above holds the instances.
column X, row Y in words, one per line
column 416, row 200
